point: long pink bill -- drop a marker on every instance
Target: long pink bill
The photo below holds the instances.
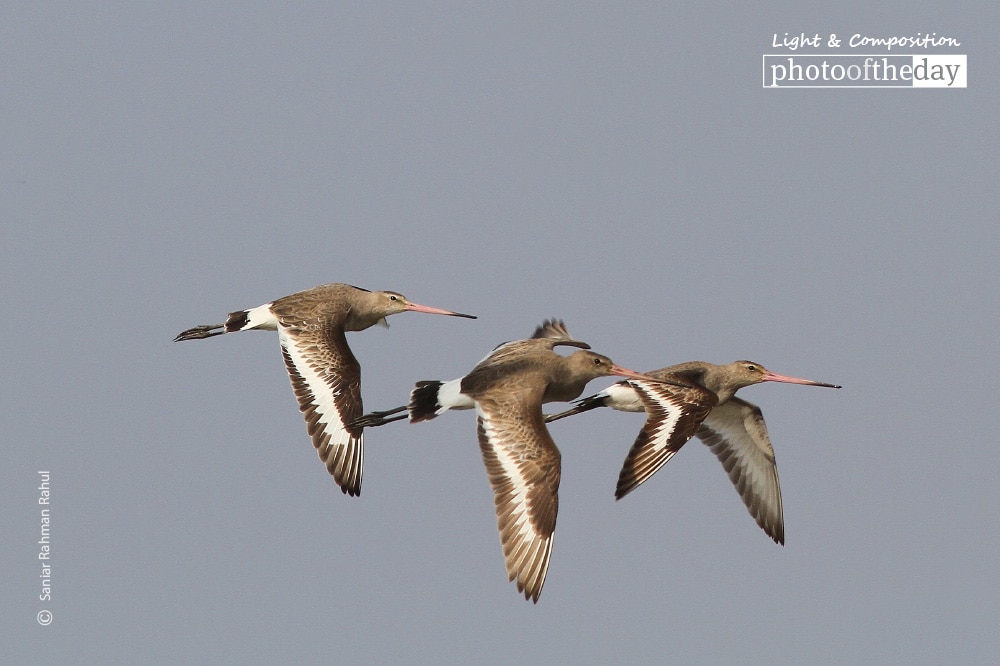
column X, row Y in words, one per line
column 416, row 307
column 632, row 374
column 772, row 377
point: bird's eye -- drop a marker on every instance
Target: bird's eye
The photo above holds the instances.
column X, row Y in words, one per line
column 393, row 298
column 752, row 368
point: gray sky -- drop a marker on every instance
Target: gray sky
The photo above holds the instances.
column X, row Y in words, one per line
column 619, row 168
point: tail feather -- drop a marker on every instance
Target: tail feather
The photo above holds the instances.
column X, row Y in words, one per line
column 582, row 405
column 237, row 321
column 241, row 320
column 424, row 404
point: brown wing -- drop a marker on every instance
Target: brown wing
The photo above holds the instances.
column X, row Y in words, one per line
column 672, row 417
column 326, row 379
column 523, row 465
column 736, row 433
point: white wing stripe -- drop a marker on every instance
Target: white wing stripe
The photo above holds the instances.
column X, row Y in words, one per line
column 322, row 394
column 329, row 420
column 518, row 504
column 519, row 487
column 665, row 426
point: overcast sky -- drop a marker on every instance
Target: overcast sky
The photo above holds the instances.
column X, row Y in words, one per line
column 620, row 168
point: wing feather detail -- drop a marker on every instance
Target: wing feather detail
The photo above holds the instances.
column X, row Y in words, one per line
column 672, row 417
column 523, row 465
column 736, row 434
column 326, row 380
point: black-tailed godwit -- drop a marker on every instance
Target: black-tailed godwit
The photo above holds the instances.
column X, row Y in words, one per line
column 731, row 427
column 507, row 390
column 325, row 375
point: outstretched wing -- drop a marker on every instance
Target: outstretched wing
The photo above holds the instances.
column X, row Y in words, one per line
column 523, row 465
column 736, row 434
column 673, row 415
column 326, row 379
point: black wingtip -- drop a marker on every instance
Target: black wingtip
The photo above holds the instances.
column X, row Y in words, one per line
column 552, row 328
column 625, row 486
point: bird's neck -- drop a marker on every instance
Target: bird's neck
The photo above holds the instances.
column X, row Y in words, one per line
column 564, row 386
column 363, row 315
column 714, row 380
